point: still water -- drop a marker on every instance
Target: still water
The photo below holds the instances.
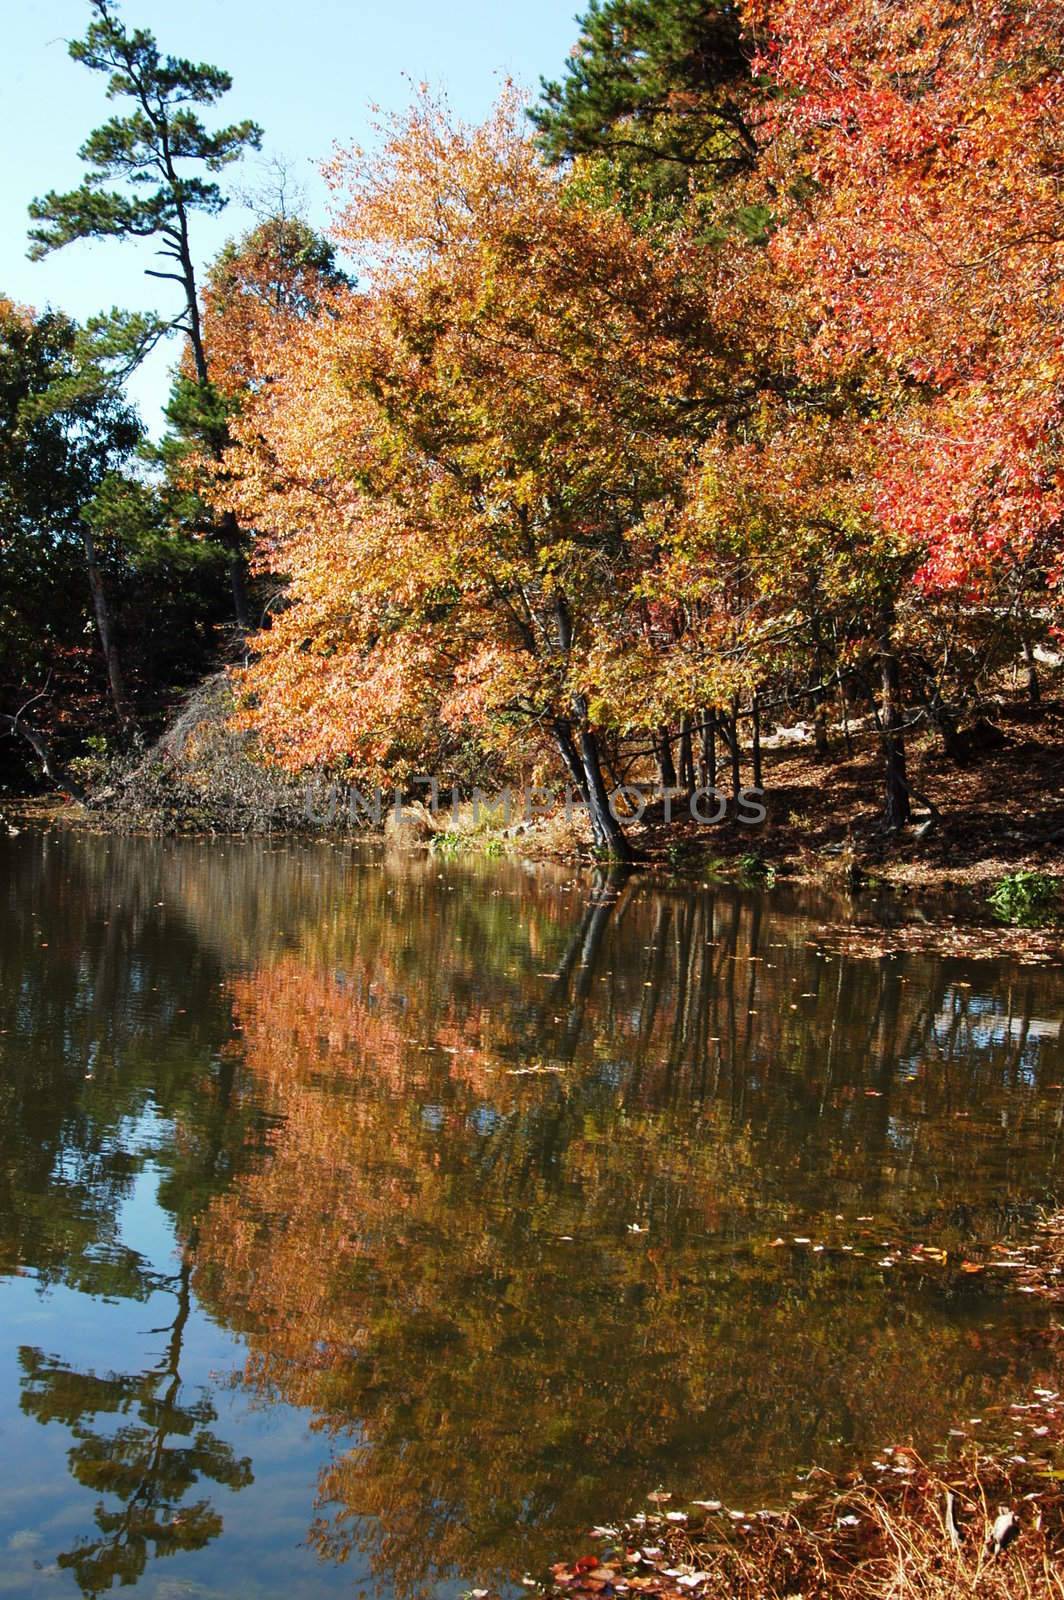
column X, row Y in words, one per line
column 379, row 1223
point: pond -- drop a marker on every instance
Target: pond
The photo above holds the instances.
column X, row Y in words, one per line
column 380, row 1223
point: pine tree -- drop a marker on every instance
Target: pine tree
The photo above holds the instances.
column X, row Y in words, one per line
column 147, row 154
column 64, row 426
column 659, row 86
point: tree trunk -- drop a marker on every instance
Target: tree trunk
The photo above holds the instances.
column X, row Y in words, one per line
column 563, row 738
column 228, row 529
column 941, row 717
column 105, row 629
column 580, row 754
column 1034, row 688
column 844, row 706
column 609, row 835
column 238, row 579
column 709, row 747
column 666, row 766
column 687, row 757
column 733, row 740
column 946, row 727
column 818, row 695
column 585, row 759
column 897, row 810
column 238, row 570
column 51, row 768
column 755, row 718
column 821, row 742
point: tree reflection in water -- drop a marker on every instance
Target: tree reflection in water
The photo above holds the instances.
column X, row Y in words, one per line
column 407, row 1117
column 475, row 1110
column 101, row 1088
column 161, row 1448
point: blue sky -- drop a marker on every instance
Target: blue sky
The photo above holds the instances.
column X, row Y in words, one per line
column 307, row 71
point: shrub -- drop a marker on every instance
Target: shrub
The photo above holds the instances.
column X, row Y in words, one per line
column 1026, row 899
column 757, row 872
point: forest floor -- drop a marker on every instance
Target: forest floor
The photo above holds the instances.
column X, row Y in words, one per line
column 986, row 1519
column 1002, row 809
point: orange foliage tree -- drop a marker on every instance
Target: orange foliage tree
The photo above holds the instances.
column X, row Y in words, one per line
column 558, row 471
column 896, row 506
column 458, row 460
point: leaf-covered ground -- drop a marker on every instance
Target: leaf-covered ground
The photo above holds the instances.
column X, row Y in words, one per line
column 1000, row 809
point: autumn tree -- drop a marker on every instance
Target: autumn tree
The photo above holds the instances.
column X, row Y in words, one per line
column 261, row 287
column 907, row 304
column 933, row 240
column 916, row 239
column 661, row 114
column 779, row 545
column 455, row 460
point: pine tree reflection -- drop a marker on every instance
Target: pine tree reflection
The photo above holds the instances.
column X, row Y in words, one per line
column 159, row 1451
column 99, row 1085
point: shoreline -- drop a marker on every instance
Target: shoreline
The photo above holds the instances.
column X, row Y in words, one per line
column 983, row 817
column 910, row 907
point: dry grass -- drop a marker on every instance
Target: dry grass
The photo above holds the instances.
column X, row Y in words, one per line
column 203, row 776
column 546, row 838
column 915, row 1534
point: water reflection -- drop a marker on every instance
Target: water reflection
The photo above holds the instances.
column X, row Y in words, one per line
column 485, row 1170
column 159, row 1450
